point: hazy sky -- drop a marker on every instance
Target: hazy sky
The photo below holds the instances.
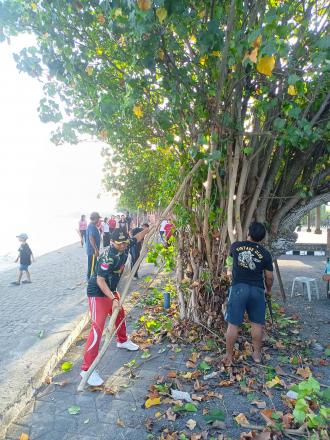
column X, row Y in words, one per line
column 39, row 180
column 34, row 173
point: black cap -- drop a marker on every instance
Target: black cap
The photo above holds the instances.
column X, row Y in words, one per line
column 95, row 216
column 119, row 236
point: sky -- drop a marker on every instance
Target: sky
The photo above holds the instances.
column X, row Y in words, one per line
column 38, row 180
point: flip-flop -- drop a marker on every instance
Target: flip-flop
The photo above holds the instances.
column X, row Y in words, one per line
column 15, row 283
column 26, row 282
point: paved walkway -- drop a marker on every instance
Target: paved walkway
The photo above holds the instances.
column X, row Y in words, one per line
column 122, row 416
column 37, row 317
column 315, row 313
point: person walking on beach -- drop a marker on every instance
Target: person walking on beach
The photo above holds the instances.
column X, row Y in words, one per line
column 103, row 299
column 93, row 240
column 25, row 258
column 169, row 229
column 162, row 230
column 106, row 232
column 252, row 274
column 82, row 229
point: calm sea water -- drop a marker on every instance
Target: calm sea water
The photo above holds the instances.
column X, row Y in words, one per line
column 45, row 235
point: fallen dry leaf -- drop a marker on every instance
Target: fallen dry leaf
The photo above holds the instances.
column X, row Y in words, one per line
column 261, row 404
column 287, row 420
column 196, row 437
column 111, row 390
column 280, row 345
column 197, row 397
column 48, row 380
column 190, row 364
column 158, row 415
column 170, row 415
column 24, row 436
column 304, row 372
column 191, row 424
column 148, row 423
column 152, row 402
column 274, row 382
column 241, row 419
column 194, row 356
column 187, row 375
column 225, row 383
column 120, row 423
column 172, row 374
column 197, row 385
column 266, row 414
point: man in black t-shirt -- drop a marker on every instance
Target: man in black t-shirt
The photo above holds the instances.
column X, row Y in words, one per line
column 252, row 273
column 135, row 250
column 103, row 298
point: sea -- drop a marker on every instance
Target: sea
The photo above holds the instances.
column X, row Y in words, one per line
column 45, row 235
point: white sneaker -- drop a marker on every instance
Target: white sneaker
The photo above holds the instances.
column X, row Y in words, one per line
column 94, row 380
column 129, row 345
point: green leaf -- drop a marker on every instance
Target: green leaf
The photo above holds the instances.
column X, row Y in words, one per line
column 283, row 359
column 204, row 366
column 299, row 416
column 178, row 408
column 66, row 366
column 41, row 334
column 247, row 150
column 326, row 394
column 214, row 415
column 293, row 79
column 190, row 407
column 146, row 354
column 75, row 409
column 327, row 352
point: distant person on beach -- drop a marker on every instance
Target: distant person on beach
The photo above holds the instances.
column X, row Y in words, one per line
column 103, row 298
column 93, row 240
column 112, row 224
column 162, row 230
column 25, row 258
column 106, row 232
column 135, row 249
column 122, row 224
column 82, row 229
column 169, row 229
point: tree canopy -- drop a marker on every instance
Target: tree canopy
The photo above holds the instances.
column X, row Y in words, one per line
column 242, row 85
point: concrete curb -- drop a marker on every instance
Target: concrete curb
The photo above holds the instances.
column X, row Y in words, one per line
column 12, row 411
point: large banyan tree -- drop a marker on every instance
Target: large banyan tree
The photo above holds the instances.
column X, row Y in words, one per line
column 239, row 87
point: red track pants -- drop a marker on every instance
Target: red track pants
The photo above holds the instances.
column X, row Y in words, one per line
column 100, row 308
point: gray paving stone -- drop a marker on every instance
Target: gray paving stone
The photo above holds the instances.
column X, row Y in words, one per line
column 44, row 407
column 65, row 423
column 43, row 305
column 16, row 430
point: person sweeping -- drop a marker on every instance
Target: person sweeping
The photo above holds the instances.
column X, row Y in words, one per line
column 103, row 299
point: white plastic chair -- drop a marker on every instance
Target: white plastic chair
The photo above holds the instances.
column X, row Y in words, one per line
column 309, row 282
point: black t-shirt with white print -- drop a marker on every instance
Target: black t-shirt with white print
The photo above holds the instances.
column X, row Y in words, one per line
column 250, row 259
column 109, row 266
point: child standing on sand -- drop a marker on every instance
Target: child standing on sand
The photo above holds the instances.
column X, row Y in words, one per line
column 25, row 258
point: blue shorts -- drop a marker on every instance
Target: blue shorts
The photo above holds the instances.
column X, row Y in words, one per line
column 243, row 297
column 23, row 267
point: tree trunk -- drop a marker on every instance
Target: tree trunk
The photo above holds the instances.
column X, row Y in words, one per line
column 318, row 221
